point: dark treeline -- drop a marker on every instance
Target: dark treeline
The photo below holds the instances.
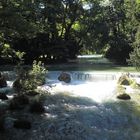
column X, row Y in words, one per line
column 58, row 30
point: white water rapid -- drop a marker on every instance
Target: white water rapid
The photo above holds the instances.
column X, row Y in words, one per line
column 94, row 85
column 71, row 116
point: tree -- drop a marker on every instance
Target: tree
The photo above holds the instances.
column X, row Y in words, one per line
column 119, row 42
column 59, row 30
column 135, row 55
column 14, row 23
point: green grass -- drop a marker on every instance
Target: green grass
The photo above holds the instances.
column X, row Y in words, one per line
column 91, row 64
column 98, row 63
column 93, row 67
column 81, row 67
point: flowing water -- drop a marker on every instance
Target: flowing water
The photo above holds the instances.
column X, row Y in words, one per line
column 86, row 109
column 95, row 85
column 92, row 108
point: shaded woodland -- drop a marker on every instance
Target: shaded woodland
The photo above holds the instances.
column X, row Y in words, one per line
column 55, row 31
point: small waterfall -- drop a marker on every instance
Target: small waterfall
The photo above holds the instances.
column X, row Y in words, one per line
column 95, row 85
column 84, row 76
column 93, row 76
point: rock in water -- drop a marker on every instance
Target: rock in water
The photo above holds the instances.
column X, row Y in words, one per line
column 124, row 96
column 3, row 82
column 18, row 102
column 9, row 122
column 2, row 124
column 37, row 107
column 3, row 96
column 64, row 77
column 22, row 124
column 124, row 80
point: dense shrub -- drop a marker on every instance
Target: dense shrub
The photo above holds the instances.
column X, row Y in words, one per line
column 135, row 55
column 119, row 49
column 135, row 58
column 29, row 79
column 38, row 72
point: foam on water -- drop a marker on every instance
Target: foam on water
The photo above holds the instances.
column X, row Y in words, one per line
column 85, row 119
column 97, row 91
column 98, row 87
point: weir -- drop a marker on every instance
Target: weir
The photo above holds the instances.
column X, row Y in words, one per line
column 93, row 76
column 98, row 86
column 99, row 116
column 84, row 76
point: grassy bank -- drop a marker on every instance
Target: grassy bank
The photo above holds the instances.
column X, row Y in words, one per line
column 82, row 67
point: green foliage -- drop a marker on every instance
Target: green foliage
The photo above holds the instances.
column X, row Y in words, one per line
column 20, row 55
column 125, row 80
column 39, row 72
column 38, row 68
column 29, row 79
column 58, row 30
column 135, row 55
column 120, row 89
column 135, row 58
column 135, row 85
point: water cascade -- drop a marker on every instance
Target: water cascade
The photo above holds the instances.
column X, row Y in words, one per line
column 93, row 77
column 95, row 85
column 103, row 118
column 99, row 117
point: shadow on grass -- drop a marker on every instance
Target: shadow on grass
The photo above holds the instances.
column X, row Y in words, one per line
column 78, row 118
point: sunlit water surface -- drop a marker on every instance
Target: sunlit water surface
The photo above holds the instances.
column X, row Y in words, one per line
column 106, row 117
column 96, row 86
column 88, row 109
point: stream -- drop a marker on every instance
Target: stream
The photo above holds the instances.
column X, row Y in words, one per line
column 84, row 109
column 87, row 108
